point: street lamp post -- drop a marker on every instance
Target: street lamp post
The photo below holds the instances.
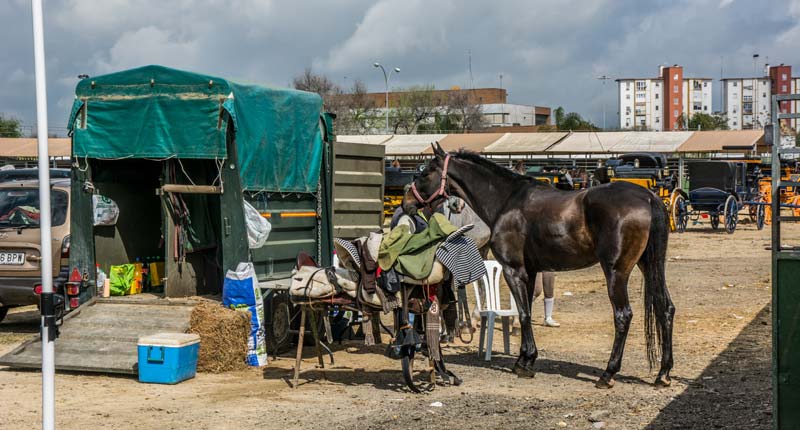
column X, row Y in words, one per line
column 386, row 77
column 604, row 78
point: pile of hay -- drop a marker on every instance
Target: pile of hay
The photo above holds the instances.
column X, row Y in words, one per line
column 223, row 337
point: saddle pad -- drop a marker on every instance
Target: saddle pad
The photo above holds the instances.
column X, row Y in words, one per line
column 312, row 282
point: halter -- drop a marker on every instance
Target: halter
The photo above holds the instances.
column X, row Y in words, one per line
column 441, row 192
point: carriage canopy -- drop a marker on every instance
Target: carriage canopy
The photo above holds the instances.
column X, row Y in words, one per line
column 156, row 112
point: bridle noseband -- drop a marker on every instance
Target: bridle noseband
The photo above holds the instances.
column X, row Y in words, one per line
column 441, row 192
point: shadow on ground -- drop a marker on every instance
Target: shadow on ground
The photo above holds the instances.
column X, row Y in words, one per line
column 734, row 391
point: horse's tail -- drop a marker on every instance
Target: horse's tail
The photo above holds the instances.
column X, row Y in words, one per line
column 656, row 296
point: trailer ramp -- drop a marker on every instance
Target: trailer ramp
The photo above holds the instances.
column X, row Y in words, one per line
column 102, row 335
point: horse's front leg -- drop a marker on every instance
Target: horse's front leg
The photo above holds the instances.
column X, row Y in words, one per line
column 522, row 289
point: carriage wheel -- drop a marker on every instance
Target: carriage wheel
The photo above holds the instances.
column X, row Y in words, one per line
column 715, row 221
column 407, row 353
column 761, row 215
column 731, row 214
column 680, row 213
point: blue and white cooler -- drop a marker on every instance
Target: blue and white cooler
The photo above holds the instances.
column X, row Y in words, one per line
column 168, row 358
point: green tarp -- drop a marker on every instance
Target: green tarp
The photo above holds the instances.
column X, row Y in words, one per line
column 155, row 112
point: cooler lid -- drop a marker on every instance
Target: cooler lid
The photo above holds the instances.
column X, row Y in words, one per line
column 169, row 339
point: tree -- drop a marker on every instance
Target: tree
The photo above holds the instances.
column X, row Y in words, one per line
column 10, row 127
column 416, row 106
column 314, row 83
column 559, row 116
column 467, row 116
column 704, row 121
column 572, row 121
column 356, row 111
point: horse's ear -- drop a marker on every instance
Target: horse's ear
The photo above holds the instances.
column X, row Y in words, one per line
column 437, row 149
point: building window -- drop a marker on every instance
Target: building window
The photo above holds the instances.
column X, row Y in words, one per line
column 696, row 85
column 675, row 78
column 675, row 113
column 627, row 123
column 657, row 120
column 641, row 85
column 627, row 110
column 641, row 122
column 627, row 85
column 627, row 96
column 734, row 123
column 705, row 84
column 656, row 96
column 783, row 88
column 763, row 95
column 675, row 89
column 747, row 98
column 735, row 84
column 675, row 101
column 656, row 107
column 783, row 77
column 658, row 84
column 705, row 107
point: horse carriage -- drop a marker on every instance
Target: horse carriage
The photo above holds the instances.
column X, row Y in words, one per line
column 720, row 190
column 648, row 170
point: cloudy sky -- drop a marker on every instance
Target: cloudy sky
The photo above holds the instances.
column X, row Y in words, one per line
column 549, row 52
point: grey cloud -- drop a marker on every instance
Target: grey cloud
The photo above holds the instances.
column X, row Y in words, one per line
column 548, row 52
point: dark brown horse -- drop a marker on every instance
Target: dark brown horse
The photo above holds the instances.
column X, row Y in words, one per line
column 536, row 227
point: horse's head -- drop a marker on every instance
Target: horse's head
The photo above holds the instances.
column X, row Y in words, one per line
column 429, row 187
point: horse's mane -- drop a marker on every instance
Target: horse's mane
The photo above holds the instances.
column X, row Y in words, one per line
column 495, row 168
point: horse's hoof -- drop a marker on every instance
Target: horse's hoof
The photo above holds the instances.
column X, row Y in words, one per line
column 524, row 372
column 604, row 383
column 663, row 381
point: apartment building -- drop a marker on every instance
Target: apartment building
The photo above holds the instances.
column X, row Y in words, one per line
column 747, row 102
column 658, row 103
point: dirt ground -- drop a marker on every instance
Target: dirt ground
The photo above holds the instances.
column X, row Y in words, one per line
column 721, row 287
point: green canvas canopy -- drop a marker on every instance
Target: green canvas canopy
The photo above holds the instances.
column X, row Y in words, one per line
column 156, row 112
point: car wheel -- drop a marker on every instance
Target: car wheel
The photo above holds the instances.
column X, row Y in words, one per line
column 3, row 312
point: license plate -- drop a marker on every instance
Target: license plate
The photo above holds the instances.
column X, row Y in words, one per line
column 12, row 258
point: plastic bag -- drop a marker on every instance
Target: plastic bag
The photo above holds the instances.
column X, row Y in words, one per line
column 241, row 292
column 106, row 211
column 121, row 279
column 258, row 227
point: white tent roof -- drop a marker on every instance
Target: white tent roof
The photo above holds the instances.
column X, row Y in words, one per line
column 523, row 143
column 622, row 141
column 371, row 139
column 411, row 144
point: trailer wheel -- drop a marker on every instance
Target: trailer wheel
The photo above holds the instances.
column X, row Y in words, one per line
column 279, row 337
column 731, row 214
column 3, row 312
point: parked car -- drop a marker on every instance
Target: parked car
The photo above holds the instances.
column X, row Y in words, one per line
column 20, row 257
column 31, row 174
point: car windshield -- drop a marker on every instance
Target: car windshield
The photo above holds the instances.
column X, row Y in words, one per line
column 19, row 207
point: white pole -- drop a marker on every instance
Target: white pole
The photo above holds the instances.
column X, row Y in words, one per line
column 48, row 329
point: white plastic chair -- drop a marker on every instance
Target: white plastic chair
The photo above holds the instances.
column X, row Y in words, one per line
column 490, row 310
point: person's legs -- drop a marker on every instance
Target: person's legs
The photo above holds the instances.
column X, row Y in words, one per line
column 548, row 285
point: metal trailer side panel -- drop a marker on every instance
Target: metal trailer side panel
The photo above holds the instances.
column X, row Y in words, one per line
column 357, row 188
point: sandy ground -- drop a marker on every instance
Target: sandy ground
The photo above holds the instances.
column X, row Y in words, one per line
column 721, row 287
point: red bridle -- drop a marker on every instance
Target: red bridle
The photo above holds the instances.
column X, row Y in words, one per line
column 441, row 192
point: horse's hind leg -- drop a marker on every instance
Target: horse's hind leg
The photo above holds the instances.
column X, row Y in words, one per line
column 617, row 281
